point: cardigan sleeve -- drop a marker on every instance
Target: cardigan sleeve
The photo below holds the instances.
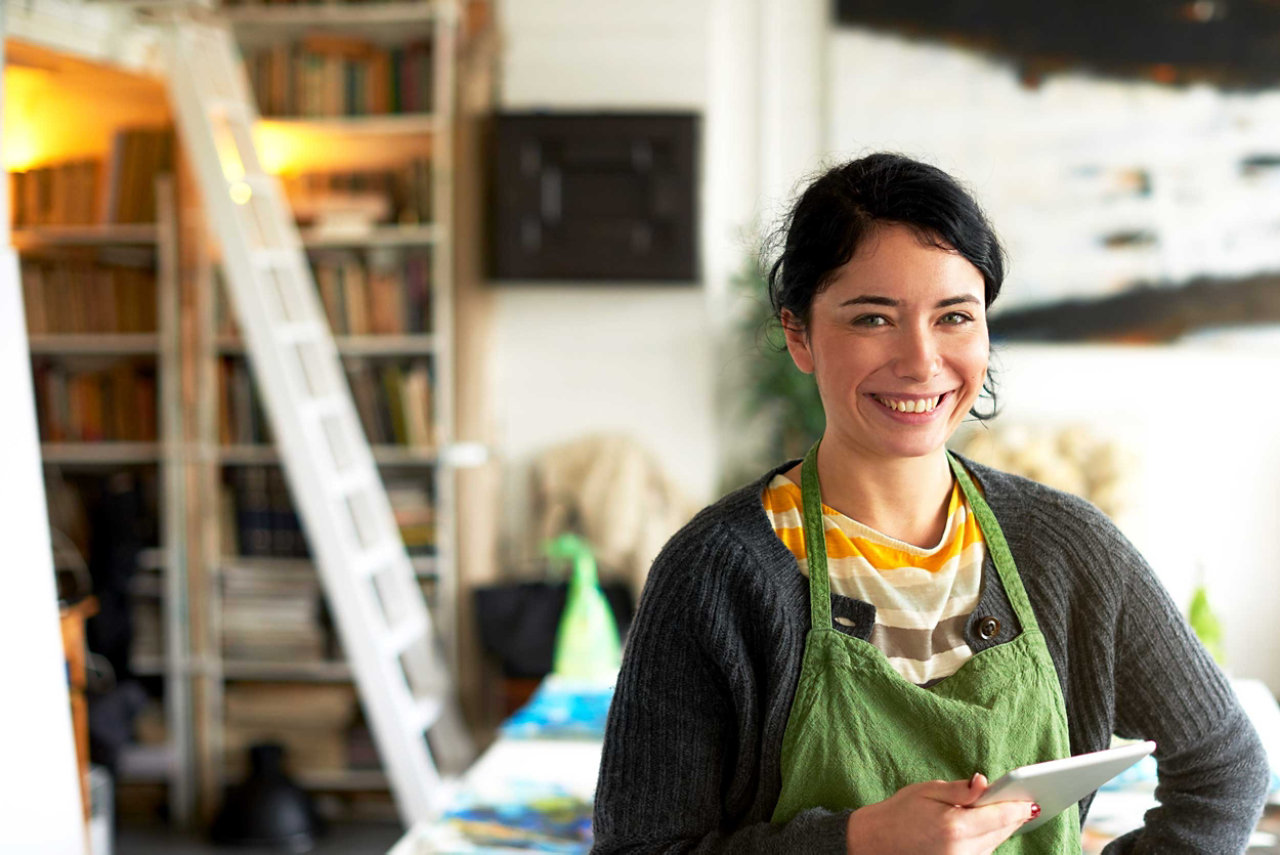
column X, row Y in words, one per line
column 673, row 728
column 1213, row 773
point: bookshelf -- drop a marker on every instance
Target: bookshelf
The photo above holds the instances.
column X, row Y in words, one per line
column 102, row 315
column 368, row 174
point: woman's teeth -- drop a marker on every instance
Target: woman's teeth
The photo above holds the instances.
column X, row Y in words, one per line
column 919, row 405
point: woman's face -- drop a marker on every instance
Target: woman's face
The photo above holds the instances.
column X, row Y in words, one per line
column 898, row 345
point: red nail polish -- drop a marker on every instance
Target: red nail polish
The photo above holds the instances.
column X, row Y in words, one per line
column 1035, row 811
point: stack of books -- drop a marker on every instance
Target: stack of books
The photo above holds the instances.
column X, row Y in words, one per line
column 271, row 616
column 401, row 196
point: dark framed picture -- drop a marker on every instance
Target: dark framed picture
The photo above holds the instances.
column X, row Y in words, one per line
column 595, row 197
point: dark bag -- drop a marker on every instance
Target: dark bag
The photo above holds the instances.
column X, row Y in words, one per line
column 518, row 622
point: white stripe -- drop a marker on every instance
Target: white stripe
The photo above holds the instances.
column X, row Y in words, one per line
column 942, row 664
column 790, row 518
column 912, row 619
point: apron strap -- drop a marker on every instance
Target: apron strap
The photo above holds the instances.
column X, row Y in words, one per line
column 997, row 545
column 815, row 542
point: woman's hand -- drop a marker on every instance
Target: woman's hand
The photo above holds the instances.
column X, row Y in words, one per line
column 934, row 818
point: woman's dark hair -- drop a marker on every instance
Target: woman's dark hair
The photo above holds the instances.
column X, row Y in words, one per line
column 848, row 203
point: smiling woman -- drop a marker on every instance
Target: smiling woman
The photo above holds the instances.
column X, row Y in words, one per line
column 834, row 657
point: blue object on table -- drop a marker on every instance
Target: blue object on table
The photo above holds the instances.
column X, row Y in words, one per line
column 549, row 823
column 562, row 709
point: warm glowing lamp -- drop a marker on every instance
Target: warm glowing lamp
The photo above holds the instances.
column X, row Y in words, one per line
column 21, row 130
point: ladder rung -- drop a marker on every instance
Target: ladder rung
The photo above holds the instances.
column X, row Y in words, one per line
column 379, row 558
column 406, row 633
column 232, row 108
column 349, row 482
column 319, row 408
column 274, row 259
column 296, row 331
column 427, row 712
column 259, row 181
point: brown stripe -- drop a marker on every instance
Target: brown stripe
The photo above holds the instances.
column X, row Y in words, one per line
column 920, row 644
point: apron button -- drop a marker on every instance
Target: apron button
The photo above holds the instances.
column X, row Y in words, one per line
column 988, row 628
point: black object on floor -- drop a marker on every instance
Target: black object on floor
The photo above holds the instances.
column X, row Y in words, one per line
column 267, row 809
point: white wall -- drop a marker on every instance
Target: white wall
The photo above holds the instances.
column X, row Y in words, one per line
column 655, row 361
column 1208, row 495
column 39, row 793
column 577, row 359
column 40, row 807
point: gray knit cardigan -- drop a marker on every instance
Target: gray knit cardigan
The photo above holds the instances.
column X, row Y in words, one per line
column 694, row 738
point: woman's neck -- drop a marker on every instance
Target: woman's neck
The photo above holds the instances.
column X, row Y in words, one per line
column 905, row 498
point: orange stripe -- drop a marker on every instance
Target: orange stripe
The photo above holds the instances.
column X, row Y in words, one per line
column 786, row 497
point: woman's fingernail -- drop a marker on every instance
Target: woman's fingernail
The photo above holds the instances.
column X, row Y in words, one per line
column 973, row 782
column 1035, row 811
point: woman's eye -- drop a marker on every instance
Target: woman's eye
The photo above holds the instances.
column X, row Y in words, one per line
column 955, row 318
column 870, row 321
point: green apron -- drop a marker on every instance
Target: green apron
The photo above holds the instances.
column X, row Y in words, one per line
column 859, row 732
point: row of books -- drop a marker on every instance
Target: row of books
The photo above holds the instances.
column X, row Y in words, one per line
column 391, row 296
column 258, row 517
column 299, row 2
column 115, row 403
column 82, row 296
column 64, row 194
column 80, row 192
column 334, row 75
column 362, row 299
column 392, row 398
column 379, row 196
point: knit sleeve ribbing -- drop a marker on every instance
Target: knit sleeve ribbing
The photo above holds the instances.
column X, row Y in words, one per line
column 1213, row 774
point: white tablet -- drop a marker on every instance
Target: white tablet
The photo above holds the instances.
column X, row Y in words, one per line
column 1058, row 784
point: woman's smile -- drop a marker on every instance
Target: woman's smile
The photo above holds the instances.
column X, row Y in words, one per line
column 912, row 410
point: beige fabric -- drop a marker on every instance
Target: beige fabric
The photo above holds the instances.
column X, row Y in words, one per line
column 613, row 492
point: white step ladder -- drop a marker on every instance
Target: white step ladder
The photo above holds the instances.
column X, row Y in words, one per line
column 367, row 577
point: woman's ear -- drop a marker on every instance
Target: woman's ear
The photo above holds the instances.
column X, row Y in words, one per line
column 797, row 341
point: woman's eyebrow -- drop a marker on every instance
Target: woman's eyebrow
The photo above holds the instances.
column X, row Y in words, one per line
column 874, row 300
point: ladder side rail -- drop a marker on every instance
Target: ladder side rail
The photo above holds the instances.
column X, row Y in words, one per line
column 251, row 288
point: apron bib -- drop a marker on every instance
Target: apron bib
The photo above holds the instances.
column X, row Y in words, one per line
column 858, row 731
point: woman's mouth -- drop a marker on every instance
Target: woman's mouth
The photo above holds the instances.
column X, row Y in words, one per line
column 911, row 405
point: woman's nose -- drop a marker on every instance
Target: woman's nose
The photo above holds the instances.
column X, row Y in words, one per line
column 918, row 357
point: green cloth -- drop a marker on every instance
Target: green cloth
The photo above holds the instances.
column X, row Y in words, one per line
column 852, row 742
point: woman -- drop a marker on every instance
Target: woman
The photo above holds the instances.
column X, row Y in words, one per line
column 830, row 659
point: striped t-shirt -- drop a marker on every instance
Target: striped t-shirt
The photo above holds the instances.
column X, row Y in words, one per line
column 923, row 597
